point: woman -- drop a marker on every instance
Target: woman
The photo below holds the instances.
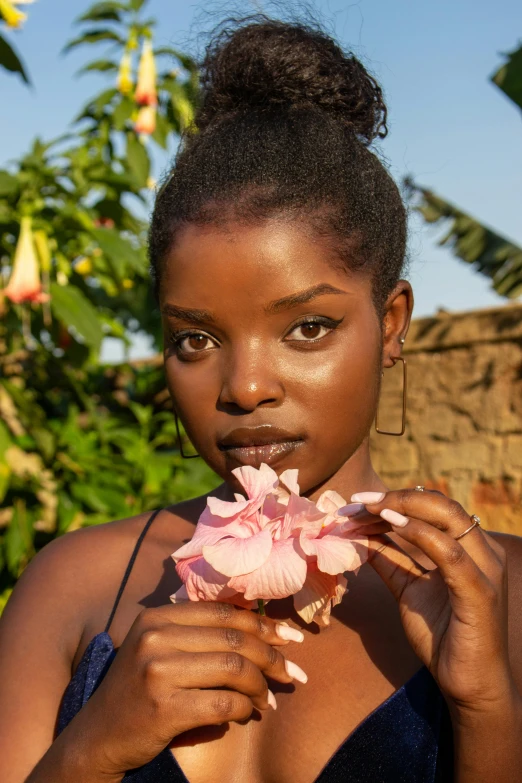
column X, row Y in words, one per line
column 277, row 250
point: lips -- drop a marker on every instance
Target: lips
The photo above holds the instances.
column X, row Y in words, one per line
column 252, row 446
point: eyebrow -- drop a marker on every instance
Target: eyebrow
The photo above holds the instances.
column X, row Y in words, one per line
column 186, row 314
column 302, row 297
column 286, row 303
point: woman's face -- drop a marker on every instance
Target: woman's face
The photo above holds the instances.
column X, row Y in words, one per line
column 272, row 355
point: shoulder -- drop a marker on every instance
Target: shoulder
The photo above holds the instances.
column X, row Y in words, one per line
column 63, row 581
column 69, row 582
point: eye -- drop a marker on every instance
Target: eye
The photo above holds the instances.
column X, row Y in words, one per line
column 192, row 342
column 312, row 329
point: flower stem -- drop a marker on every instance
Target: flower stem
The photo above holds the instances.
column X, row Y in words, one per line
column 261, row 606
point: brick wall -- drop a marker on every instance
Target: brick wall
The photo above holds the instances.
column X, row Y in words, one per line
column 464, row 414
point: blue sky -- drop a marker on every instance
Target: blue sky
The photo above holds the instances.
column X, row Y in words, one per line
column 449, row 126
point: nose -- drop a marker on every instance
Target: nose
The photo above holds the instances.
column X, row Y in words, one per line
column 250, row 379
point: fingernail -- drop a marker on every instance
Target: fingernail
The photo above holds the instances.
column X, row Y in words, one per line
column 393, row 517
column 289, row 634
column 368, row 497
column 350, row 509
column 272, row 700
column 295, row 672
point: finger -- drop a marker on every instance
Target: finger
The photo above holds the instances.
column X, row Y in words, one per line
column 212, row 670
column 199, row 639
column 363, row 522
column 215, row 614
column 468, row 586
column 395, row 567
column 441, row 512
column 195, row 708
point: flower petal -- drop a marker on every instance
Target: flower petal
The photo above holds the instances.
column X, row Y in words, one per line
column 319, row 593
column 289, row 479
column 256, row 483
column 226, row 508
column 202, row 582
column 335, row 553
column 180, row 595
column 301, row 513
column 209, row 530
column 235, row 556
column 282, row 574
column 330, row 502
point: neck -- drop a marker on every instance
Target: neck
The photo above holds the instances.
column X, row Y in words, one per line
column 355, row 475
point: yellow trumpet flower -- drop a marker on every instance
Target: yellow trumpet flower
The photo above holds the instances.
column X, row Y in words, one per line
column 24, row 284
column 11, row 15
column 124, row 82
column 146, row 121
column 146, row 93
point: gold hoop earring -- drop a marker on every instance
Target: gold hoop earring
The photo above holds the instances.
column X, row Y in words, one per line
column 404, row 391
column 180, row 442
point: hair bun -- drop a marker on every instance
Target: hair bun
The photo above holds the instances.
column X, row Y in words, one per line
column 271, row 64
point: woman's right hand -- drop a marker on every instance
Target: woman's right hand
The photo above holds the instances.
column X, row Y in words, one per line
column 170, row 675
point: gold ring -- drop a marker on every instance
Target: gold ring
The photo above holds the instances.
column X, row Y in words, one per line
column 476, row 521
column 419, row 488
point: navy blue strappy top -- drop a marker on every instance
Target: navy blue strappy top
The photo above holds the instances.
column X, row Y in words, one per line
column 406, row 739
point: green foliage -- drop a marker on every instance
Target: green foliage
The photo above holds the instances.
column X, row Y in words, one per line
column 509, row 77
column 487, row 251
column 82, row 443
column 10, row 60
column 490, row 253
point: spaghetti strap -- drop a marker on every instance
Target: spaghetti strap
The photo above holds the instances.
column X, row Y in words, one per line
column 129, row 566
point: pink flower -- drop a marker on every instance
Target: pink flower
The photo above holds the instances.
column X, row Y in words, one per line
column 272, row 544
column 24, row 284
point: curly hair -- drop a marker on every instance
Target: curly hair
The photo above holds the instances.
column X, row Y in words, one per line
column 283, row 128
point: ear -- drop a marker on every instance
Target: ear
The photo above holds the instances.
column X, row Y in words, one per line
column 396, row 322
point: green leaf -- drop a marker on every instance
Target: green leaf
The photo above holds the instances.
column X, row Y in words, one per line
column 103, row 66
column 162, row 130
column 509, row 76
column 9, row 185
column 187, row 62
column 45, row 442
column 119, row 250
column 489, row 253
column 104, row 11
column 100, row 499
column 93, row 36
column 71, row 307
column 5, row 476
column 122, row 113
column 138, row 159
column 10, row 59
column 137, row 5
column 5, row 439
column 18, row 540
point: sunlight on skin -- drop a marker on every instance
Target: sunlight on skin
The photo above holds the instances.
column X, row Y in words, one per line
column 249, row 367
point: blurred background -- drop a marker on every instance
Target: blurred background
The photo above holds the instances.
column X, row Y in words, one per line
column 94, row 98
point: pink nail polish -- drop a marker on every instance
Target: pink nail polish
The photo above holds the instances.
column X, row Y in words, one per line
column 289, row 634
column 393, row 517
column 295, row 672
column 368, row 497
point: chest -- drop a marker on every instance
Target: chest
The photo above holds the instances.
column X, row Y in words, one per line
column 351, row 671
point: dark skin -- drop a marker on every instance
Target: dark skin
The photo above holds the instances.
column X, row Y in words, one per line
column 196, row 675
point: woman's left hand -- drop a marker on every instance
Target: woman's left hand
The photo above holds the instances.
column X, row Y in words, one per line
column 456, row 615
